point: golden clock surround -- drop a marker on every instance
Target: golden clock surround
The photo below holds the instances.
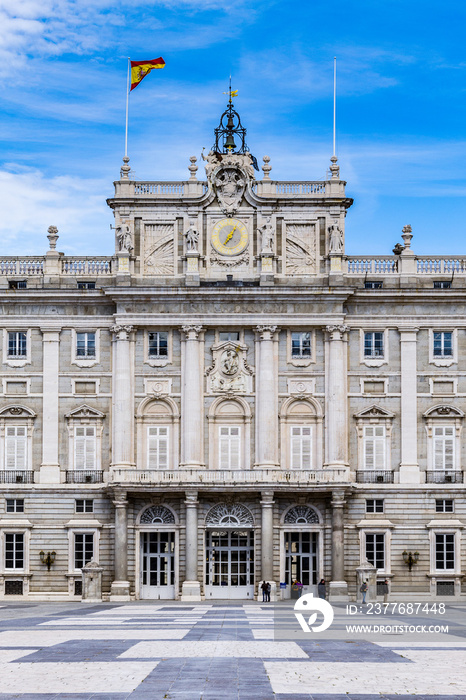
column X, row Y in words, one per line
column 229, row 237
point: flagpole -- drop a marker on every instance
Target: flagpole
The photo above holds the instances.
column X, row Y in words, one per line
column 127, row 108
column 334, row 101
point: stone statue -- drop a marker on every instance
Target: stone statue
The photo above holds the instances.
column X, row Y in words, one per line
column 267, row 236
column 230, row 362
column 125, row 237
column 192, row 238
column 336, row 239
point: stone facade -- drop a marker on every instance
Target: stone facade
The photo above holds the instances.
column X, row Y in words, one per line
column 230, row 398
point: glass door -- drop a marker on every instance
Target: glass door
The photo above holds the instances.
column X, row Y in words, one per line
column 229, row 570
column 157, row 565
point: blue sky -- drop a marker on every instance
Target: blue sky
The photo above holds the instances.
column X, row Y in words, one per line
column 401, row 108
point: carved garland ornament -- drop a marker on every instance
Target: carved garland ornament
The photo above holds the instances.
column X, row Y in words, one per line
column 157, row 515
column 229, row 515
column 301, row 515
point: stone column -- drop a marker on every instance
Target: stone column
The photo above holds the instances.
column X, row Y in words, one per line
column 338, row 586
column 266, row 400
column 409, row 467
column 192, row 423
column 120, row 584
column 123, row 399
column 267, row 543
column 50, row 468
column 336, row 392
column 191, row 588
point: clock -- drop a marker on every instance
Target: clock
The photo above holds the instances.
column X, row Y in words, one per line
column 229, row 237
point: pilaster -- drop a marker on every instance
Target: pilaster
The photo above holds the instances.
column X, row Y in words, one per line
column 192, row 423
column 120, row 585
column 50, row 468
column 336, row 398
column 191, row 588
column 409, row 466
column 266, row 400
column 122, row 398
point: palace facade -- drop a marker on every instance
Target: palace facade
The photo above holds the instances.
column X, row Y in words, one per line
column 230, row 398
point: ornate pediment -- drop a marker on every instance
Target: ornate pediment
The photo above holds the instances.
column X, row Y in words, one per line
column 229, row 372
column 374, row 411
column 85, row 411
column 17, row 411
column 444, row 411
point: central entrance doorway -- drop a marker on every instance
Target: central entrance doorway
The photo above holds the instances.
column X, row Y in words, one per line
column 301, row 558
column 229, row 568
column 158, row 565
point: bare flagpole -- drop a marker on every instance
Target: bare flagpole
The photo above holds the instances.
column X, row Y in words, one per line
column 334, row 101
column 127, row 109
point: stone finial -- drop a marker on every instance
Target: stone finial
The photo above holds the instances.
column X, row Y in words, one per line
column 52, row 236
column 125, row 169
column 334, row 168
column 407, row 236
column 193, row 168
column 266, row 167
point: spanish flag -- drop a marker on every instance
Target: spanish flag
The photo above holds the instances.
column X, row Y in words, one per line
column 139, row 70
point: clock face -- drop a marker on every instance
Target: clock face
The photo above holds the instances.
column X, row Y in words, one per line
column 229, row 237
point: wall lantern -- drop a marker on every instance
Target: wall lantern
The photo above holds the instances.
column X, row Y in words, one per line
column 410, row 558
column 48, row 558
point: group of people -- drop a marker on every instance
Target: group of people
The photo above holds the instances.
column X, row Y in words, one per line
column 266, row 588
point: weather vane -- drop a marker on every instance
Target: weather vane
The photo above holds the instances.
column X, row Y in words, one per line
column 230, row 92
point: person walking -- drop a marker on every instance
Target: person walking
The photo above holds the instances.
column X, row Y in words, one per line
column 264, row 591
column 321, row 588
column 364, row 588
column 269, row 588
column 385, row 590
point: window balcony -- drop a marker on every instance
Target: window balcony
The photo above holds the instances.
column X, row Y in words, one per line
column 12, row 476
column 84, row 476
column 374, row 476
column 441, row 476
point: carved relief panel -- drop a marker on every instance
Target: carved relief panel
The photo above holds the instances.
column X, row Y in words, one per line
column 159, row 249
column 229, row 372
column 300, row 248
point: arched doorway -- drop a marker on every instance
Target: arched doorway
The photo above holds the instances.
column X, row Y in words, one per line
column 229, row 552
column 301, row 548
column 158, row 548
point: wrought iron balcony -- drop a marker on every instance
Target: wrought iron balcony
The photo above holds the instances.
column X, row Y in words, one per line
column 441, row 476
column 84, row 476
column 374, row 476
column 12, row 476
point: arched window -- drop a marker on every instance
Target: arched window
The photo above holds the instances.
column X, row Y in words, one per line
column 301, row 515
column 229, row 515
column 157, row 515
column 158, row 434
column 301, row 433
column 229, row 434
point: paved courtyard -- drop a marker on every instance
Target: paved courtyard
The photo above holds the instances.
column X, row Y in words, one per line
column 220, row 651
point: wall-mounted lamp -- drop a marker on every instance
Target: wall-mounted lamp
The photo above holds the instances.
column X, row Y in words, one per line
column 410, row 558
column 48, row 558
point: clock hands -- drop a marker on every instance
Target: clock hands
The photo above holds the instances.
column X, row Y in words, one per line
column 230, row 235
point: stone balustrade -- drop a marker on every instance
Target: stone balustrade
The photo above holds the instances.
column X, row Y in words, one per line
column 22, row 266
column 240, row 477
column 87, row 266
column 373, row 264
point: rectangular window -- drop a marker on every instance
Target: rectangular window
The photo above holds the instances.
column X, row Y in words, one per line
column 158, row 344
column 157, row 447
column 443, row 344
column 300, row 345
column 85, row 345
column 442, row 285
column 86, row 285
column 229, row 448
column 83, row 549
column 16, row 447
column 375, row 549
column 444, row 551
column 17, row 345
column 301, row 447
column 15, row 505
column 84, row 505
column 85, row 448
column 374, row 505
column 373, row 285
column 14, row 550
column 373, row 344
column 230, row 335
column 444, row 505
column 444, row 447
column 374, row 447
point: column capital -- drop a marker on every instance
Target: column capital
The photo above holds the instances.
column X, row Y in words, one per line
column 338, row 499
column 191, row 498
column 408, row 331
column 336, row 331
column 119, row 330
column 267, row 498
column 266, row 332
column 119, row 499
column 192, row 331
